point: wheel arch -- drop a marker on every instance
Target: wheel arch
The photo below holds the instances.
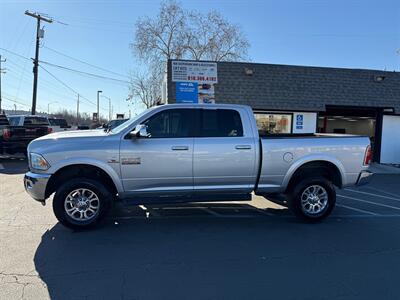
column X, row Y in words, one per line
column 328, row 169
column 81, row 170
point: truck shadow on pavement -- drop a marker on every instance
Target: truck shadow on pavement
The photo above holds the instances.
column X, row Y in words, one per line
column 216, row 258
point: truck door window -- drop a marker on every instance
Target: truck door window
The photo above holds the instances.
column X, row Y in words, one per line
column 172, row 123
column 221, row 123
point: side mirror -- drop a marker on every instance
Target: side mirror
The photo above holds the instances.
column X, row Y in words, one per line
column 140, row 131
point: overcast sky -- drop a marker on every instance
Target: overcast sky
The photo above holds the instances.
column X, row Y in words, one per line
column 351, row 34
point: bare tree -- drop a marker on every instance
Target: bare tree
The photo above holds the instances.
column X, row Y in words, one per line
column 146, row 88
column 157, row 40
column 211, row 37
column 179, row 34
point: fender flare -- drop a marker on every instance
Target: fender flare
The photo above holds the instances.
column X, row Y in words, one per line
column 93, row 162
column 312, row 158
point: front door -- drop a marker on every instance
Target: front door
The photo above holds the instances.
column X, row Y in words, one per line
column 162, row 163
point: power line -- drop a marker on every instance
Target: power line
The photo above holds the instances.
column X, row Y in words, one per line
column 86, row 63
column 68, row 87
column 85, row 73
column 11, row 100
column 70, row 69
column 15, row 53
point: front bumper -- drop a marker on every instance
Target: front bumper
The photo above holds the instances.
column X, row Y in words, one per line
column 364, row 177
column 35, row 185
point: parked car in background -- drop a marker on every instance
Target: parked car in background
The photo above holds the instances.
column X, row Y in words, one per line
column 113, row 123
column 4, row 124
column 189, row 153
column 82, row 127
column 21, row 131
column 58, row 125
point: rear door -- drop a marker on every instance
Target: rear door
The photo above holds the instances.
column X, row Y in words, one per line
column 163, row 162
column 224, row 158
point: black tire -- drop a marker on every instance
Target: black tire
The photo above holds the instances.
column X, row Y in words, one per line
column 301, row 211
column 97, row 187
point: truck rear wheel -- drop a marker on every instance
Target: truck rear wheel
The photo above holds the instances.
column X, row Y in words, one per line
column 312, row 199
column 81, row 203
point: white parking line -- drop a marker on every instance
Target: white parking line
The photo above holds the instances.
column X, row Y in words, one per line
column 380, row 191
column 359, row 210
column 370, row 202
column 371, row 194
column 1, row 167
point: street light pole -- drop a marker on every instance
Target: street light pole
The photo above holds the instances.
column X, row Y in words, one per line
column 48, row 107
column 98, row 105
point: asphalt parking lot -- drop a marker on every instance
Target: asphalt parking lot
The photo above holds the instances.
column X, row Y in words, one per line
column 236, row 250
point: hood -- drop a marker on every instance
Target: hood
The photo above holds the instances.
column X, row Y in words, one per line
column 74, row 134
column 66, row 140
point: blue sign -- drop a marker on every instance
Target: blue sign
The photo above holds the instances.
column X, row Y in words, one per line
column 187, row 92
column 299, row 121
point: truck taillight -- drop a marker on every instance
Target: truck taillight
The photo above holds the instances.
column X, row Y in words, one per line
column 49, row 130
column 6, row 133
column 368, row 156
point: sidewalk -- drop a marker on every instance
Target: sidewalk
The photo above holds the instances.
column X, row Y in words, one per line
column 383, row 169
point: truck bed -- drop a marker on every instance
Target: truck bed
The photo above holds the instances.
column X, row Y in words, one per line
column 281, row 155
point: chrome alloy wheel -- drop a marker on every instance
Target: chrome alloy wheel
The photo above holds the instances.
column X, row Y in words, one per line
column 314, row 200
column 82, row 205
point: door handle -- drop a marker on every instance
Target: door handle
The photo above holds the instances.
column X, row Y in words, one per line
column 242, row 147
column 180, row 148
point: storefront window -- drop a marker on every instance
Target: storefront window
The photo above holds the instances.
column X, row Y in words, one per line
column 268, row 123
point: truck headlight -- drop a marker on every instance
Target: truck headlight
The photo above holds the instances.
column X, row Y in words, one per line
column 38, row 162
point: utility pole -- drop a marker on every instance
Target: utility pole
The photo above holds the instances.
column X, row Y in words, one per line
column 77, row 111
column 39, row 34
column 1, row 72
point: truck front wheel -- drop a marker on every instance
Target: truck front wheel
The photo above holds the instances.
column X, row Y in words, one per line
column 81, row 203
column 312, row 199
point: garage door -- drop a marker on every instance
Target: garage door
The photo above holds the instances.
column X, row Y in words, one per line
column 390, row 149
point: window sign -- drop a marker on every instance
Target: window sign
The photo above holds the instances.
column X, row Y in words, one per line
column 194, row 71
column 299, row 121
column 186, row 92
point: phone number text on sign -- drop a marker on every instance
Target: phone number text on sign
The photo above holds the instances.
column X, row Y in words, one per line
column 201, row 72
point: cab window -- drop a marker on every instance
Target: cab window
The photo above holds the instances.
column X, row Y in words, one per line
column 221, row 123
column 172, row 123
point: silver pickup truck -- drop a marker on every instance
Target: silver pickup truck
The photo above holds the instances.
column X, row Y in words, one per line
column 188, row 153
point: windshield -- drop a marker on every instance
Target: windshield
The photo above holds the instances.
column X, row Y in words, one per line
column 128, row 123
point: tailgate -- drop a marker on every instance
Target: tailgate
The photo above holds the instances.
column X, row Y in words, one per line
column 33, row 132
column 26, row 133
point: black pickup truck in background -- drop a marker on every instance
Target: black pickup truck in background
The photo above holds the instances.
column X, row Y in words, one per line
column 16, row 132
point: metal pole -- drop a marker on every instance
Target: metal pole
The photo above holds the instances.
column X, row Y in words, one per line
column 98, row 105
column 77, row 111
column 1, row 71
column 109, row 109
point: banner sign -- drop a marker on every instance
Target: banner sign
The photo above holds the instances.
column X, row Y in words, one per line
column 194, row 71
column 186, row 92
